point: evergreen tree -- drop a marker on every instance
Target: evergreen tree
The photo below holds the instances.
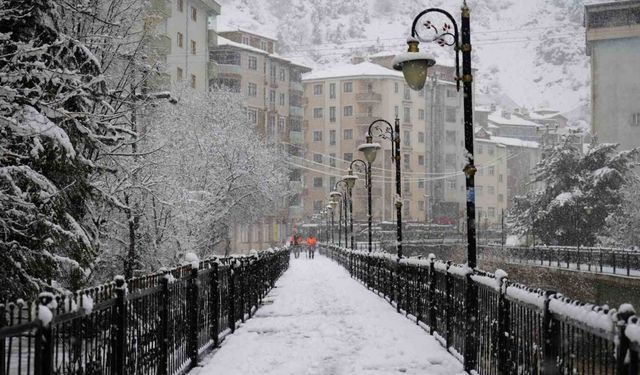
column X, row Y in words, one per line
column 577, row 193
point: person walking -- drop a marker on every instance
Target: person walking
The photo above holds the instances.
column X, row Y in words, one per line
column 296, row 243
column 311, row 246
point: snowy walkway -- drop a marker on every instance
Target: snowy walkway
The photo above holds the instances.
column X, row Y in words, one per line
column 323, row 322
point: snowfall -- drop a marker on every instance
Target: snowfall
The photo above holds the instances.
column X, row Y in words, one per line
column 317, row 320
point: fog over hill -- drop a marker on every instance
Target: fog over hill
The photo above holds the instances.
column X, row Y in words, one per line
column 532, row 52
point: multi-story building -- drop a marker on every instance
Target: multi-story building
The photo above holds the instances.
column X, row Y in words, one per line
column 505, row 123
column 248, row 63
column 341, row 103
column 613, row 45
column 186, row 32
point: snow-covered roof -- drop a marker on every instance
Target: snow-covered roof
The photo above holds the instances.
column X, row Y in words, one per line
column 498, row 118
column 363, row 69
column 259, row 35
column 508, row 141
column 222, row 41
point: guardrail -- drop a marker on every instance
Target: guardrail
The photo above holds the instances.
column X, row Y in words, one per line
column 517, row 330
column 161, row 323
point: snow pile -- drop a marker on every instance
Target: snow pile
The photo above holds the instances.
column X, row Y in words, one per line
column 87, row 303
column 528, row 296
column 488, row 281
column 633, row 330
column 32, row 122
column 462, row 270
column 45, row 312
column 588, row 314
column 192, row 259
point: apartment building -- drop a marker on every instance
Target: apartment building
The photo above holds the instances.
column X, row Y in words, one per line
column 186, row 33
column 340, row 104
column 249, row 63
column 613, row 45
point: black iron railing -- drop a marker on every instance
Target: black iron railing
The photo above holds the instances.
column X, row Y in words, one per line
column 155, row 324
column 518, row 330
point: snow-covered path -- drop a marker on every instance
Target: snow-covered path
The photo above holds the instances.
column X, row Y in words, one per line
column 321, row 321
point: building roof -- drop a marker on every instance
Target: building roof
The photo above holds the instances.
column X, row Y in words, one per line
column 508, row 141
column 222, row 41
column 364, row 69
column 259, row 35
column 497, row 118
column 607, row 4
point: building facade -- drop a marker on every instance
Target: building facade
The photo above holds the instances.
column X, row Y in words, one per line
column 248, row 63
column 613, row 45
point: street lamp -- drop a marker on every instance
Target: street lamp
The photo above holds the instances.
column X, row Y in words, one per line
column 336, row 198
column 350, row 181
column 330, row 208
column 370, row 149
column 414, row 65
column 367, row 173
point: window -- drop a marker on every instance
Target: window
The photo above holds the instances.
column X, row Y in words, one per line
column 348, row 134
column 407, row 114
column 317, row 158
column 317, row 206
column 348, row 87
column 332, row 114
column 317, row 182
column 317, row 113
column 252, row 115
column 492, row 211
column 272, row 96
column 317, row 136
column 396, row 111
column 332, row 137
column 332, row 160
column 421, row 114
column 635, row 119
column 500, row 178
column 193, row 81
column 179, row 74
column 491, row 190
column 450, row 137
column 407, row 138
column 246, row 40
column 253, row 89
column 332, row 91
column 317, row 90
column 348, row 111
column 407, row 162
column 253, row 63
column 395, row 87
column 490, row 150
column 226, row 57
column 264, row 45
column 180, row 40
column 271, row 126
column 421, row 184
column 480, row 149
column 500, row 198
column 479, row 190
column 492, row 171
column 283, row 99
column 194, row 14
column 420, row 137
column 281, row 126
column 452, row 184
column 193, row 47
column 283, row 75
column 421, row 159
column 450, row 115
column 407, row 93
column 348, row 157
column 180, row 4
column 406, row 187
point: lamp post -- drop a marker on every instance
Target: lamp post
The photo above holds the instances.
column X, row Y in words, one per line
column 387, row 131
column 367, row 173
column 335, row 201
column 350, row 182
column 331, row 207
column 414, row 65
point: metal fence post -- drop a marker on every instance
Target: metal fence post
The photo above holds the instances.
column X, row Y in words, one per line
column 470, row 336
column 504, row 333
column 163, row 361
column 623, row 349
column 119, row 340
column 232, row 296
column 448, row 304
column 243, row 290
column 550, row 339
column 214, row 305
column 192, row 306
column 433, row 322
column 43, row 356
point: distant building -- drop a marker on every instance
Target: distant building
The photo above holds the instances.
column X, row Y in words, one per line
column 186, row 31
column 248, row 63
column 613, row 44
column 505, row 123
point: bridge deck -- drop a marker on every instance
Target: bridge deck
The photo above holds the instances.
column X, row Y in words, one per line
column 321, row 321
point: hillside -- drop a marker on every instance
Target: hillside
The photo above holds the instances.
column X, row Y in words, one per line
column 532, row 52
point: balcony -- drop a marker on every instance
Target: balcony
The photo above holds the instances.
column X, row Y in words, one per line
column 296, row 212
column 212, row 69
column 161, row 8
column 366, row 118
column 229, row 69
column 296, row 137
column 297, row 86
column 295, row 186
column 369, row 97
column 296, row 111
column 272, row 106
column 161, row 44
